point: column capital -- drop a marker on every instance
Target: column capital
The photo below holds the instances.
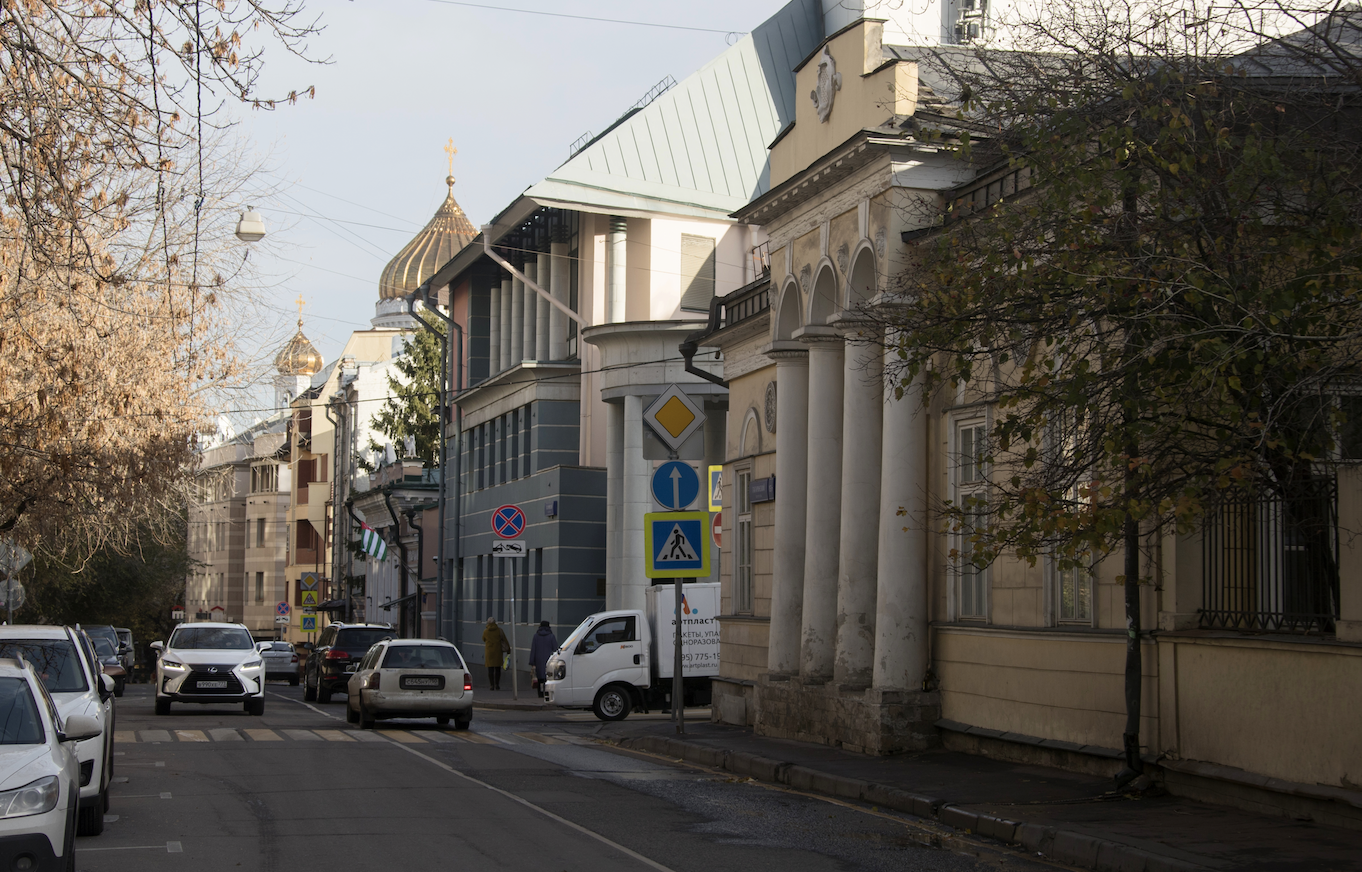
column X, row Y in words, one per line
column 814, row 335
column 786, row 351
column 857, row 326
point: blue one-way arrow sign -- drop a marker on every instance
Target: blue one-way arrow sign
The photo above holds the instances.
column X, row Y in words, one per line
column 675, row 485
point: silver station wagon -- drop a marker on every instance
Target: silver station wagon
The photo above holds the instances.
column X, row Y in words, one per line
column 411, row 678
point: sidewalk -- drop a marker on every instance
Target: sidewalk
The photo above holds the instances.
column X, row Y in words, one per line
column 504, row 699
column 1065, row 816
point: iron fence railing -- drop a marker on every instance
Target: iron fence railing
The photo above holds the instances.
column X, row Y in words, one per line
column 1271, row 564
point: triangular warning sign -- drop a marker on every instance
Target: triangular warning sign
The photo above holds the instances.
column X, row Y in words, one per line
column 676, row 548
column 309, row 598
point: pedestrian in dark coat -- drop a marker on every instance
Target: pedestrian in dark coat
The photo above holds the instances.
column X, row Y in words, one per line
column 494, row 647
column 542, row 647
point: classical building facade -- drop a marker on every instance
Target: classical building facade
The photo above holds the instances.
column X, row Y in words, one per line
column 864, row 628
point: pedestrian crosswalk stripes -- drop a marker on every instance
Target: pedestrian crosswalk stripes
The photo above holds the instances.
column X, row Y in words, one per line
column 406, row 737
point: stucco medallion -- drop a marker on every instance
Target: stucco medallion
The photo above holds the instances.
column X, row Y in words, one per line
column 770, row 407
column 828, row 84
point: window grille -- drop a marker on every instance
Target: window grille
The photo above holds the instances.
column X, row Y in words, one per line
column 1271, row 564
column 969, row 488
column 697, row 272
column 742, row 552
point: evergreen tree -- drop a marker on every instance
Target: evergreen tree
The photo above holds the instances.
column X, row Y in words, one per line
column 412, row 408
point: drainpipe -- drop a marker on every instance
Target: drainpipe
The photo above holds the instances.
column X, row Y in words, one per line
column 420, row 556
column 402, row 547
column 561, row 306
column 350, row 510
column 338, row 492
column 455, row 352
column 444, row 451
column 691, row 344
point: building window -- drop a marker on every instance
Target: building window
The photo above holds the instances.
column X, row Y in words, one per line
column 970, row 478
column 742, row 546
column 697, row 272
column 260, row 587
column 265, row 479
column 260, row 532
column 1074, row 590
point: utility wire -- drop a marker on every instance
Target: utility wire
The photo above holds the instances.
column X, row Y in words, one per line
column 586, row 17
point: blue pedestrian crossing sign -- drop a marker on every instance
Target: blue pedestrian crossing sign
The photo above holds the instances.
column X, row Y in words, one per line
column 675, row 485
column 675, row 544
column 307, row 623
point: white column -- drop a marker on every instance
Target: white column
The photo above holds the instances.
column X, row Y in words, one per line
column 518, row 318
column 560, row 285
column 614, row 496
column 531, row 304
column 541, row 328
column 507, row 291
column 901, row 596
column 792, row 476
column 494, row 331
column 858, row 549
column 823, row 518
column 616, row 270
column 632, row 581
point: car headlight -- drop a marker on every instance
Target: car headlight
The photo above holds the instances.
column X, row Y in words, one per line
column 33, row 798
column 171, row 664
column 253, row 664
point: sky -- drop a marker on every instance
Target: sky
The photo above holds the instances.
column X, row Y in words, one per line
column 350, row 176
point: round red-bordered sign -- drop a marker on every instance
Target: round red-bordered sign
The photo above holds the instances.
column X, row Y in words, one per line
column 717, row 529
column 508, row 522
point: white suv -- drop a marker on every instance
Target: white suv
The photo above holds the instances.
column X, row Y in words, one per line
column 210, row 662
column 66, row 667
column 39, row 773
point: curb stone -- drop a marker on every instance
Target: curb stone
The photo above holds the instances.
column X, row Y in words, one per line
column 1067, row 846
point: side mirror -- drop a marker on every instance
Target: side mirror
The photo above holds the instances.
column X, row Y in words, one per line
column 106, row 686
column 307, row 646
column 124, row 648
column 79, row 728
column 158, row 646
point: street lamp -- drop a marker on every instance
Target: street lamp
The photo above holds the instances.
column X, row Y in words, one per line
column 251, row 227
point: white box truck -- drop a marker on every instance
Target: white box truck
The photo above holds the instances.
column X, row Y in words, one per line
column 621, row 660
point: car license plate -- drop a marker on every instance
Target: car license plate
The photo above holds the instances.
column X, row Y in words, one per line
column 422, row 682
column 211, row 685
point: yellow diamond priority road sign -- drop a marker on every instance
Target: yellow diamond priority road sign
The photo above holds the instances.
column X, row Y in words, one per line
column 674, row 417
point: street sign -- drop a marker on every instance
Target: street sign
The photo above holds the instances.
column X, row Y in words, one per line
column 675, row 485
column 12, row 594
column 510, row 548
column 281, row 619
column 716, row 488
column 308, row 581
column 177, row 613
column 310, row 598
column 718, row 530
column 674, row 543
column 281, row 610
column 508, row 522
column 673, row 416
column 307, row 623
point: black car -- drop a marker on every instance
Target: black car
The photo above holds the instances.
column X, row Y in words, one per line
column 338, row 651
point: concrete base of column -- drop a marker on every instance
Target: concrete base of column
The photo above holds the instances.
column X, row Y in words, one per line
column 870, row 721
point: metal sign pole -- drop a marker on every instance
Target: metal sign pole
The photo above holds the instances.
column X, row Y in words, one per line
column 678, row 684
column 515, row 686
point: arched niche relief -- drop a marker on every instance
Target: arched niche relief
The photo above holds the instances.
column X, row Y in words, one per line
column 864, row 283
column 751, row 434
column 788, row 313
column 823, row 299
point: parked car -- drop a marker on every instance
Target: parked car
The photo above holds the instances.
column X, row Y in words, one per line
column 127, row 649
column 411, row 678
column 281, row 661
column 103, row 631
column 110, row 664
column 210, row 662
column 39, row 773
column 334, row 658
column 64, row 661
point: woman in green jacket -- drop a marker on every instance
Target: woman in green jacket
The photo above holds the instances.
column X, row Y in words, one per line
column 495, row 647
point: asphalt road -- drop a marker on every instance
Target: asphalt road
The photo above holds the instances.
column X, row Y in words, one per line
column 210, row 788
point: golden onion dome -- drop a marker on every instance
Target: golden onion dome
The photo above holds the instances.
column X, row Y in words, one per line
column 447, row 233
column 298, row 356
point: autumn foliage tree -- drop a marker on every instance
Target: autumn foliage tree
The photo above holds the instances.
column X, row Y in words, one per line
column 117, row 279
column 1161, row 297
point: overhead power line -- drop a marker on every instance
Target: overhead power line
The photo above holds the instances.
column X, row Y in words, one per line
column 586, row 17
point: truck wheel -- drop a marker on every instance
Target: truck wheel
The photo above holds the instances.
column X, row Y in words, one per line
column 613, row 703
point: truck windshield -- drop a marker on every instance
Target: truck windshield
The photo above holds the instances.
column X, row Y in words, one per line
column 576, row 635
